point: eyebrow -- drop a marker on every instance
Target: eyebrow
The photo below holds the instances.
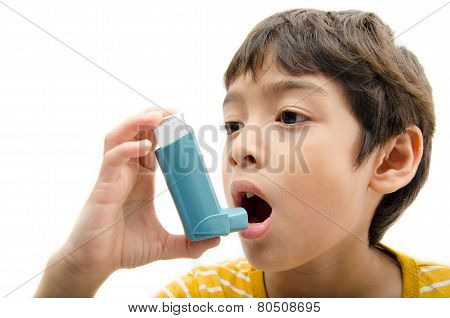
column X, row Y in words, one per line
column 278, row 87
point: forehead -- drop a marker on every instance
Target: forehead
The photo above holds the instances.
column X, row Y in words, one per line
column 271, row 72
column 270, row 81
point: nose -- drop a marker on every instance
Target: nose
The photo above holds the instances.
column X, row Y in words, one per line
column 246, row 149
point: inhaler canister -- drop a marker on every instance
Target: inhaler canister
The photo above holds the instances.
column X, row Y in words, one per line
column 190, row 186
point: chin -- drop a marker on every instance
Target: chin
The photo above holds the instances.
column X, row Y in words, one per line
column 261, row 256
column 275, row 256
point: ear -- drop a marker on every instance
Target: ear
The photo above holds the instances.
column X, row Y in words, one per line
column 397, row 161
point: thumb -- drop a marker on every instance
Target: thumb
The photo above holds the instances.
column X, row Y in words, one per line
column 184, row 248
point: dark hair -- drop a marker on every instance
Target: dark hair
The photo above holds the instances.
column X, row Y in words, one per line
column 385, row 83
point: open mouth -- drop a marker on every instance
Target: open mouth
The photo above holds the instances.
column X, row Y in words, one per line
column 258, row 205
column 258, row 209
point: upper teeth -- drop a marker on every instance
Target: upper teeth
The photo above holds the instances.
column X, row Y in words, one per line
column 249, row 194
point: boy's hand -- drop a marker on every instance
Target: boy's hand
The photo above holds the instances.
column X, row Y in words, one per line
column 117, row 226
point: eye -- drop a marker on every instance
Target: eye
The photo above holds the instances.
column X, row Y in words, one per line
column 233, row 126
column 289, row 117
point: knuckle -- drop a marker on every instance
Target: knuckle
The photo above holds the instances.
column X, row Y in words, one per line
column 110, row 153
column 192, row 252
column 107, row 156
column 197, row 254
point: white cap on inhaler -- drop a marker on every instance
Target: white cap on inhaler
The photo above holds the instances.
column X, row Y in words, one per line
column 171, row 129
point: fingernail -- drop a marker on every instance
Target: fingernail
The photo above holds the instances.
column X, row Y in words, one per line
column 145, row 143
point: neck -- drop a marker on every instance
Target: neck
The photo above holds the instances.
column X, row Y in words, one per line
column 347, row 270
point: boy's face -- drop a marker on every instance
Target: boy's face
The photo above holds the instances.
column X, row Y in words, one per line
column 301, row 158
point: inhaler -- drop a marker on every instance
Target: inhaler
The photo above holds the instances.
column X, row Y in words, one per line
column 189, row 184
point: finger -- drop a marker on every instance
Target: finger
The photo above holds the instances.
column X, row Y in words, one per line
column 117, row 157
column 129, row 128
column 184, row 248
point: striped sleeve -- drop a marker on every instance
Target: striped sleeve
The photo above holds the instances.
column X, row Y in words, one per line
column 184, row 286
column 234, row 279
column 230, row 279
column 434, row 281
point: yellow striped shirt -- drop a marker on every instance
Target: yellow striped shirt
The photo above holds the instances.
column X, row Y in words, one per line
column 238, row 278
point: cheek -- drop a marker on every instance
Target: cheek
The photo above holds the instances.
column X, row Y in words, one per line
column 328, row 184
column 321, row 204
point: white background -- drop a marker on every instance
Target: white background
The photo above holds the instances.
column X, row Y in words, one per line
column 55, row 109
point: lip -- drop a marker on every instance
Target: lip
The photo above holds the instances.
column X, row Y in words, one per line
column 256, row 230
column 238, row 189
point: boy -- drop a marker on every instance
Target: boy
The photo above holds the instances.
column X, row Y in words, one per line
column 360, row 112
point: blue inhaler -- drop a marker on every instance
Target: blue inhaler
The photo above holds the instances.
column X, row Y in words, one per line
column 190, row 186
